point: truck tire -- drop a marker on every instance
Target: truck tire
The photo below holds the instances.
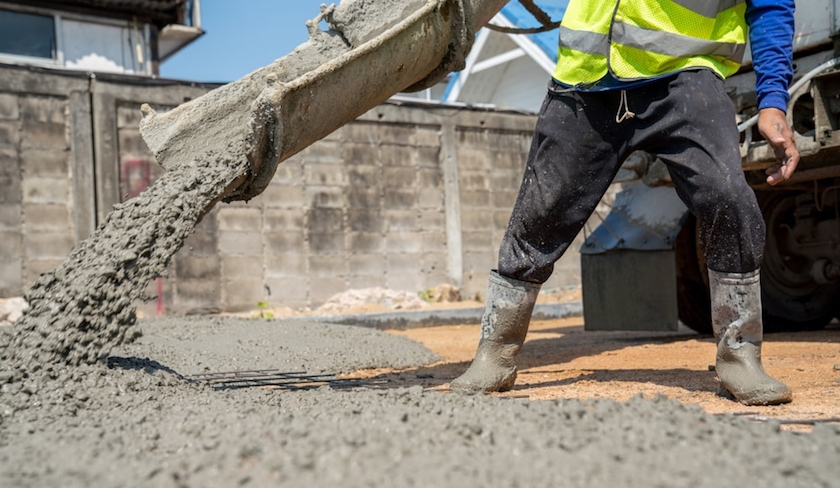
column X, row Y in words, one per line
column 790, row 297
column 787, row 304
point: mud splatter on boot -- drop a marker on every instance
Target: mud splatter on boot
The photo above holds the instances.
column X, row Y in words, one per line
column 736, row 320
column 503, row 330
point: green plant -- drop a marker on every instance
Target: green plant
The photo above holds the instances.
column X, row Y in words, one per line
column 263, row 310
column 426, row 295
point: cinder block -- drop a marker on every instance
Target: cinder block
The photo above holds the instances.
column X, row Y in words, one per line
column 476, row 219
column 509, row 160
column 9, row 109
column 242, row 295
column 282, row 195
column 44, row 135
column 43, row 109
column 435, row 263
column 285, row 242
column 362, row 198
column 34, row 268
column 47, row 245
column 356, row 153
column 431, row 219
column 396, row 134
column 359, row 131
column 327, row 265
column 10, row 189
column 474, row 180
column 10, row 217
column 11, row 247
column 11, row 278
column 365, row 220
column 9, row 133
column 283, row 219
column 289, row 172
column 286, row 265
column 428, row 157
column 9, row 160
column 433, row 241
column 366, row 264
column 327, row 174
column 197, row 268
column 325, row 220
column 325, row 196
column 356, row 282
column 322, row 289
column 468, row 136
column 322, row 152
column 404, row 272
column 478, row 240
column 201, row 244
column 506, row 180
column 480, row 262
column 503, row 199
column 326, row 242
column 51, row 162
column 46, row 217
column 479, row 198
column 393, row 155
column 242, row 267
column 430, row 198
column 401, row 220
column 364, row 242
column 399, row 178
column 472, row 158
column 501, row 218
column 363, row 176
column 398, row 198
column 46, row 190
column 233, row 243
column 403, row 242
column 239, row 219
column 430, row 178
column 427, row 136
column 288, row 292
column 190, row 294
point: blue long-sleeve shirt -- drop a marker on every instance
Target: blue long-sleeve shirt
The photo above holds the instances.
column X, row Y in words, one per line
column 771, row 41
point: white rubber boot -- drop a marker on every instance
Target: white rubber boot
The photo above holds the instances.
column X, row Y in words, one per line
column 736, row 321
column 504, row 326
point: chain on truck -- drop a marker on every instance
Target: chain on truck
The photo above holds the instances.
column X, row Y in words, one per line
column 642, row 268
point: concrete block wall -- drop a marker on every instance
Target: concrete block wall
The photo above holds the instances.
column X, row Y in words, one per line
column 36, row 193
column 406, row 197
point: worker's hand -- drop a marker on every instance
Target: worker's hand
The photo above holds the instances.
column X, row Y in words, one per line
column 773, row 125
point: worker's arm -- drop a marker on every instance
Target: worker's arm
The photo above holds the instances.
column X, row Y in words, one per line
column 771, row 39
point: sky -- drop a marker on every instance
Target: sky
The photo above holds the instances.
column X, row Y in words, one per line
column 241, row 36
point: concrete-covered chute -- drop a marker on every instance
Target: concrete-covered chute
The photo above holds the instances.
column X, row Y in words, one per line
column 371, row 50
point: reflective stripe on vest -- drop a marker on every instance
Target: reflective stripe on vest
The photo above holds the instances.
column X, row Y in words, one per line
column 637, row 39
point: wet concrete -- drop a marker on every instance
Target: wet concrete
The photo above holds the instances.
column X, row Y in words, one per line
column 137, row 422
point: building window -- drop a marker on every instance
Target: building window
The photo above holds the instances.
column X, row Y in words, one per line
column 25, row 34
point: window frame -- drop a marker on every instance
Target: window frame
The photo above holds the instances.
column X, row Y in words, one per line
column 58, row 18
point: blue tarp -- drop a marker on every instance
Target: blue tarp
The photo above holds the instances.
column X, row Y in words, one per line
column 547, row 41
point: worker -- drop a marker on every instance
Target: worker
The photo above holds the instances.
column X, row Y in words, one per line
column 648, row 75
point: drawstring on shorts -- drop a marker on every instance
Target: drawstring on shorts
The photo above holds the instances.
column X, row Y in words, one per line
column 622, row 105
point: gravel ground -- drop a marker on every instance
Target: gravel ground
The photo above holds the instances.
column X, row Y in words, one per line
column 138, row 421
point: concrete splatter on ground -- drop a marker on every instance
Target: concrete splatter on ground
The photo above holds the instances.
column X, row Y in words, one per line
column 136, row 421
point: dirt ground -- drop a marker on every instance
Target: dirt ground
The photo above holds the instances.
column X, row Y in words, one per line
column 561, row 360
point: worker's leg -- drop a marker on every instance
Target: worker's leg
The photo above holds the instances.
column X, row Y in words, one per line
column 572, row 161
column 693, row 130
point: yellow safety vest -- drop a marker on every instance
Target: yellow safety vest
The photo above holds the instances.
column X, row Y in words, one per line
column 638, row 39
